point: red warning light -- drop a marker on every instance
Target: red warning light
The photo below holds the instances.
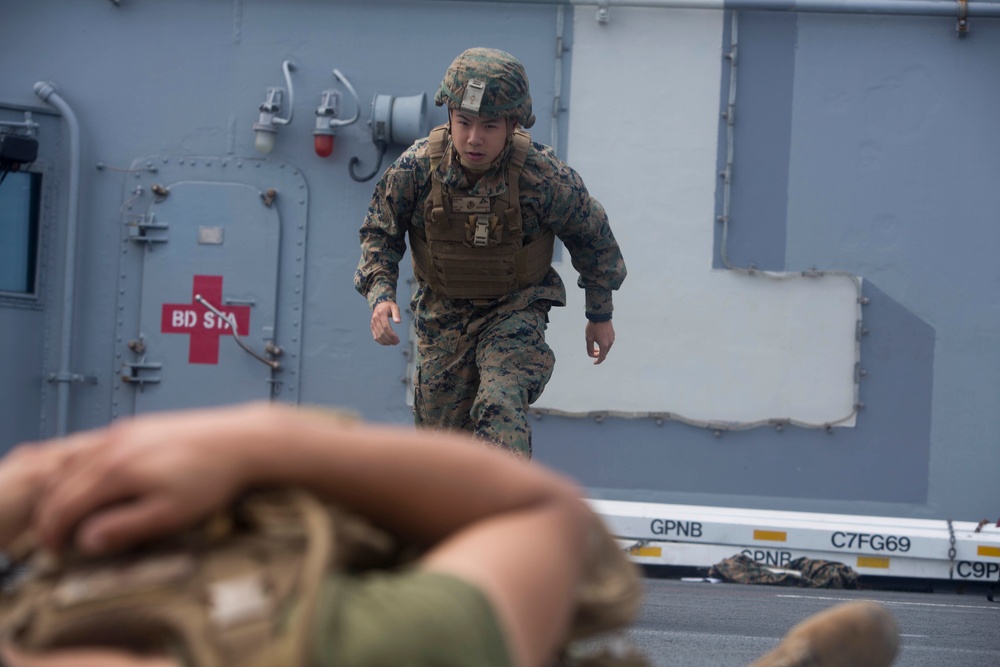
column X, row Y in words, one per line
column 323, row 143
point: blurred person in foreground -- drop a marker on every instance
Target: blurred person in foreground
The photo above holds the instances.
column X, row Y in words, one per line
column 507, row 563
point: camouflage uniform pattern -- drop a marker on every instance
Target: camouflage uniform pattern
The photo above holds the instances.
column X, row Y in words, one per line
column 506, row 92
column 481, row 364
column 813, row 573
column 493, row 365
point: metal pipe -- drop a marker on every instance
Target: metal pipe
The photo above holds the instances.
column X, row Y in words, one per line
column 47, row 92
column 21, row 107
column 557, row 94
column 897, row 7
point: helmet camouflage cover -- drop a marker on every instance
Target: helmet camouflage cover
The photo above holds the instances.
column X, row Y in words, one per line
column 488, row 83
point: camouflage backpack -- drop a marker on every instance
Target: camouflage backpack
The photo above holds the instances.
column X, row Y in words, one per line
column 801, row 572
column 239, row 589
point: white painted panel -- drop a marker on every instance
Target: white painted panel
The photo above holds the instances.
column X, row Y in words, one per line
column 702, row 344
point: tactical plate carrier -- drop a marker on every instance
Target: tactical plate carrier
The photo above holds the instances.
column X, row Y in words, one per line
column 473, row 247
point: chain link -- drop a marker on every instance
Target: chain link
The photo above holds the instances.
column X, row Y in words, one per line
column 951, row 550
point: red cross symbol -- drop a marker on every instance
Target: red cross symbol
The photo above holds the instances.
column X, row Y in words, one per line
column 202, row 324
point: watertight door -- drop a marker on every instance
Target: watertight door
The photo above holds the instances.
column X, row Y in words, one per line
column 207, row 256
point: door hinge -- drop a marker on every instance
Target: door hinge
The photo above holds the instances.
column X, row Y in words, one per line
column 139, row 230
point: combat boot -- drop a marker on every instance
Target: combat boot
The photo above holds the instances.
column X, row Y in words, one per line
column 853, row 634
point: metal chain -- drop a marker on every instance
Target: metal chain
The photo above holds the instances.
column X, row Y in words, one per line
column 639, row 544
column 951, row 550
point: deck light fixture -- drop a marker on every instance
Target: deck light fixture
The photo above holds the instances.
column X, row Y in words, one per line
column 326, row 116
column 265, row 128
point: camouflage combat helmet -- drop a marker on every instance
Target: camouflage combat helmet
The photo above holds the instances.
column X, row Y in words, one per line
column 488, row 83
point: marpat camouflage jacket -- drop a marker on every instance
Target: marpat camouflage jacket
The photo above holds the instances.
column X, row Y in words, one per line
column 552, row 196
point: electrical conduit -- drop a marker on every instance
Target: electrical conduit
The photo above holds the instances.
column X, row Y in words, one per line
column 47, row 92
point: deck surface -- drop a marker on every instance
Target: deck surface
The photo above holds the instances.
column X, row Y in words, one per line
column 729, row 625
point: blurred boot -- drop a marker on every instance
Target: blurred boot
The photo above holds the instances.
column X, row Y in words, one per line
column 853, row 634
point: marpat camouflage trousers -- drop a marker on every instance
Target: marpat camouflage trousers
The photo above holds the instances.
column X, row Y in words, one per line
column 483, row 379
